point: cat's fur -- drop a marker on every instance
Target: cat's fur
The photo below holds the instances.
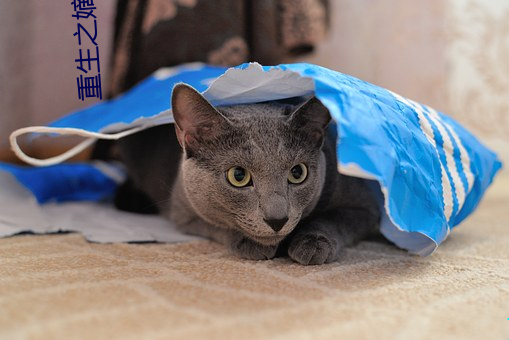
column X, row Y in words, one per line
column 325, row 213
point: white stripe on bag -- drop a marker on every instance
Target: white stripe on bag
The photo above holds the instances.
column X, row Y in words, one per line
column 448, row 147
column 427, row 129
column 465, row 159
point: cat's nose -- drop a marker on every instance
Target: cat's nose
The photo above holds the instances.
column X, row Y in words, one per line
column 276, row 224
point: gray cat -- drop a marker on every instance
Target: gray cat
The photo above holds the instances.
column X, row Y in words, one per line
column 261, row 179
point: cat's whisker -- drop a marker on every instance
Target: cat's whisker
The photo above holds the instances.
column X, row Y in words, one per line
column 164, row 185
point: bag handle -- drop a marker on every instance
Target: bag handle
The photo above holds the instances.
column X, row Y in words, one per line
column 91, row 138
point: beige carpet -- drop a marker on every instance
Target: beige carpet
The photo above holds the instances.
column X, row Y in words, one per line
column 61, row 287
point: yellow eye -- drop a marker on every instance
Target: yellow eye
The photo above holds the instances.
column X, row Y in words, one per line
column 298, row 174
column 238, row 177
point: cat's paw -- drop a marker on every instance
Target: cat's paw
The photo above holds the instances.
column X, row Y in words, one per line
column 313, row 248
column 249, row 249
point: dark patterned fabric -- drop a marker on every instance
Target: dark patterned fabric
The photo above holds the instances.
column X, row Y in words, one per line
column 150, row 34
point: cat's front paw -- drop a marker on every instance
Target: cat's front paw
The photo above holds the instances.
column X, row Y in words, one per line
column 249, row 249
column 313, row 248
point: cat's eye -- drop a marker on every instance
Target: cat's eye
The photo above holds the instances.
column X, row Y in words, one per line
column 238, row 177
column 298, row 174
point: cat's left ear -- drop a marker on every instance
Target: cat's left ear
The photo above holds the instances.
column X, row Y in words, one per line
column 196, row 120
column 312, row 117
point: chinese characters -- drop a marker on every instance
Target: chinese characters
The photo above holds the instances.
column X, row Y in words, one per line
column 89, row 80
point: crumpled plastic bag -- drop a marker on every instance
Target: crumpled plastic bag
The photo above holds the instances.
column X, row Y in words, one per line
column 432, row 171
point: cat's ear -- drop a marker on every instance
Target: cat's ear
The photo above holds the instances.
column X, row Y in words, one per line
column 312, row 117
column 196, row 120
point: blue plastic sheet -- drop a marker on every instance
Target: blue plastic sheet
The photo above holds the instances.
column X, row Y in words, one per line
column 64, row 182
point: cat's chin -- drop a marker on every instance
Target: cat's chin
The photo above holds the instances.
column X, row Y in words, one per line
column 268, row 240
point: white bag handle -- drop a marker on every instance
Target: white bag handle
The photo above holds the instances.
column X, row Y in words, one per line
column 91, row 138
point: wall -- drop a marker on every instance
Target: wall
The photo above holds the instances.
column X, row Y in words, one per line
column 478, row 68
column 15, row 67
column 37, row 52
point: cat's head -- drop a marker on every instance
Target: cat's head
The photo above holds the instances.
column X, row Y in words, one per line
column 255, row 168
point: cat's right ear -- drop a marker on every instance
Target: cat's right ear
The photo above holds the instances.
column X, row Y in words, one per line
column 196, row 120
column 312, row 117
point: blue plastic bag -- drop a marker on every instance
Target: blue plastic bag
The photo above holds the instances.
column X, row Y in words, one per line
column 431, row 171
column 68, row 182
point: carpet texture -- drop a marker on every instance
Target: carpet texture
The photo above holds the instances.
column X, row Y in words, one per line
column 62, row 287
